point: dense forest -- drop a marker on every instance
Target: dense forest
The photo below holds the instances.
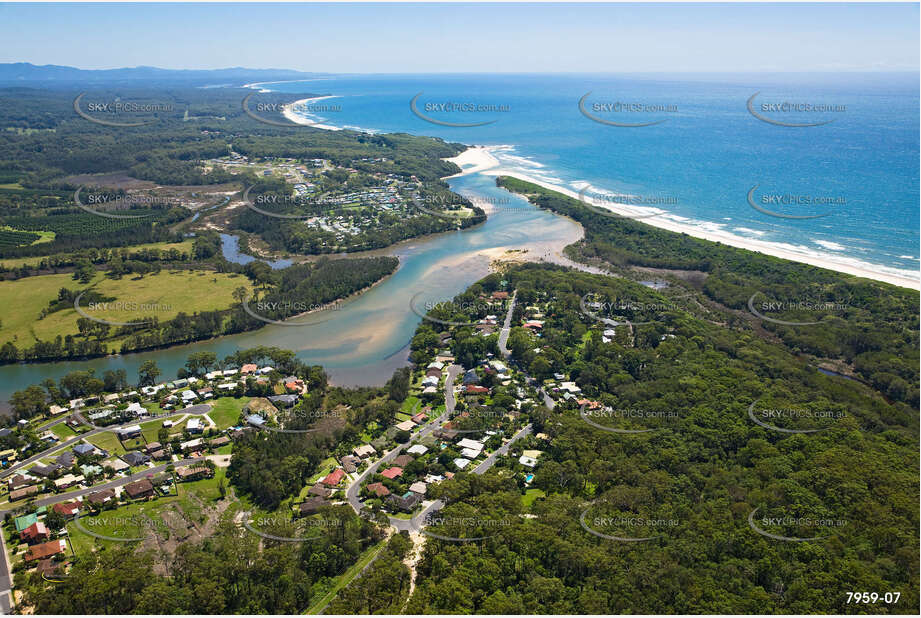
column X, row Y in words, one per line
column 703, row 470
column 874, row 335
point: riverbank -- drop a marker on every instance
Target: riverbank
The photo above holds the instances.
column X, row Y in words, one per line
column 480, row 160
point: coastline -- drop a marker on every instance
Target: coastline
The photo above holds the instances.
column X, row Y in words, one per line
column 480, row 160
column 289, row 112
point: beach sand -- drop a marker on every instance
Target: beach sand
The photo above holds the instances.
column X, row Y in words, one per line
column 288, row 112
column 479, row 160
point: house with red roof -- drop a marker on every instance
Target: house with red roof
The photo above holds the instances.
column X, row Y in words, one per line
column 378, row 489
column 34, row 533
column 67, row 509
column 475, row 389
column 392, row 473
column 46, row 550
column 334, row 478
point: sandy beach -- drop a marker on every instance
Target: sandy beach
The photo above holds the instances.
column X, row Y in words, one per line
column 288, row 111
column 479, row 160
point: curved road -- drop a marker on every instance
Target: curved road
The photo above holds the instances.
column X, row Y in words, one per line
column 195, row 410
column 416, row 523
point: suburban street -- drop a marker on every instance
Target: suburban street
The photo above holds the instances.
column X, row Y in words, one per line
column 196, row 409
column 506, row 327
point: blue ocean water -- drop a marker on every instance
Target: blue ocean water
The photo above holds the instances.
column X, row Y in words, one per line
column 861, row 170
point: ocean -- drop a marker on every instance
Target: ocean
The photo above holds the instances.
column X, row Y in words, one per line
column 713, row 151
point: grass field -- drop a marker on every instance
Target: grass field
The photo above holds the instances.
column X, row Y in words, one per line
column 107, row 440
column 184, row 246
column 227, row 410
column 63, row 432
column 162, row 296
column 530, row 496
column 136, row 519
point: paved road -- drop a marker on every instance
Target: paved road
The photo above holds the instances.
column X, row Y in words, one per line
column 70, row 495
column 196, row 409
column 6, row 582
column 351, row 493
column 506, row 327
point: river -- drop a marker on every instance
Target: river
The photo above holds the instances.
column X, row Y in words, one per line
column 367, row 337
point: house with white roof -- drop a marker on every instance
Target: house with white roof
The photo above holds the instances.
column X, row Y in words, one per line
column 461, row 463
column 417, row 449
column 471, row 444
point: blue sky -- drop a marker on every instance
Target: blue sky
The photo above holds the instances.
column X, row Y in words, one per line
column 407, row 38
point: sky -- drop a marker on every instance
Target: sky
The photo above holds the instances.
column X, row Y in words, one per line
column 434, row 38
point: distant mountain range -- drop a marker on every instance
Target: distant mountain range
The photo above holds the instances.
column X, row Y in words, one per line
column 27, row 74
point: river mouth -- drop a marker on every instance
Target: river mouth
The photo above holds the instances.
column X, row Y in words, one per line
column 367, row 337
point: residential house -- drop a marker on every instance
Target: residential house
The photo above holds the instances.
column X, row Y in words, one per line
column 24, row 521
column 25, row 492
column 378, row 489
column 99, row 498
column 417, row 449
column 125, row 433
column 255, row 420
column 312, row 505
column 406, row 426
column 142, row 489
column 285, row 401
column 88, row 449
column 319, row 490
column 191, row 445
column 194, row 473
column 68, row 480
column 35, row 533
column 418, row 488
column 403, row 460
column 334, row 477
column 194, row 425
column 46, row 550
column 530, row 462
column 350, row 463
column 219, row 442
column 135, row 458
column 45, row 471
column 67, row 509
column 461, row 463
column 407, row 502
column 364, row 451
column 392, row 473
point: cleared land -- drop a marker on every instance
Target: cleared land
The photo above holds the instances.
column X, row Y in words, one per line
column 162, row 295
